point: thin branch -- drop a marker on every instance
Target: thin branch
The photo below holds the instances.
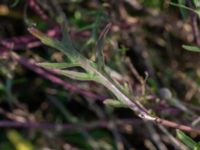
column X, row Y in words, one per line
column 40, row 12
column 72, row 126
column 46, row 74
column 175, row 125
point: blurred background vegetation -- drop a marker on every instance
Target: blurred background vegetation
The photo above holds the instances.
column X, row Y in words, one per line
column 42, row 111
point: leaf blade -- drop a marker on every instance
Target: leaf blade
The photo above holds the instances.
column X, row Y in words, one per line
column 77, row 75
column 186, row 139
column 191, row 48
column 99, row 46
column 66, row 49
column 57, row 65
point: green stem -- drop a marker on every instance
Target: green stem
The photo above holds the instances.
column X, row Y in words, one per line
column 137, row 108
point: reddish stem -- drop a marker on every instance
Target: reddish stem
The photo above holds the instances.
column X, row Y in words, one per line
column 46, row 74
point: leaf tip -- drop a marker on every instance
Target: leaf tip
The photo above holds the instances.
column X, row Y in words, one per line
column 191, row 48
column 35, row 32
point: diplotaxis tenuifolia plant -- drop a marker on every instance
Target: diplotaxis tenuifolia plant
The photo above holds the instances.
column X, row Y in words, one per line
column 96, row 71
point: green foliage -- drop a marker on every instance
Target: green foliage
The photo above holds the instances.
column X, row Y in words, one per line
column 93, row 71
column 76, row 59
column 6, row 146
column 65, row 46
column 197, row 146
column 153, row 3
column 113, row 103
column 196, row 10
column 182, row 10
column 180, row 5
column 57, row 65
column 191, row 48
column 103, row 140
column 187, row 140
column 196, row 3
column 99, row 47
column 91, row 43
column 56, row 106
column 18, row 141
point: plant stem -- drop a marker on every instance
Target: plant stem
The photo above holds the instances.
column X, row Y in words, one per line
column 134, row 105
column 137, row 108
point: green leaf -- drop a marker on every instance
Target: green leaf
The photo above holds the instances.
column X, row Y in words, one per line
column 18, row 141
column 191, row 48
column 96, row 24
column 100, row 17
column 99, row 46
column 63, row 46
column 197, row 11
column 87, row 27
column 196, row 3
column 197, row 146
column 114, row 103
column 57, row 65
column 183, row 12
column 186, row 139
column 66, row 41
column 45, row 39
column 76, row 75
column 185, row 7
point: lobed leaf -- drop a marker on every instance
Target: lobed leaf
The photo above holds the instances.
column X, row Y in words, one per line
column 64, row 46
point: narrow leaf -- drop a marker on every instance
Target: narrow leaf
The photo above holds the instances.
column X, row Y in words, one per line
column 114, row 103
column 100, row 44
column 64, row 46
column 197, row 11
column 65, row 37
column 57, row 65
column 182, row 10
column 191, row 48
column 187, row 8
column 76, row 75
column 186, row 139
column 44, row 39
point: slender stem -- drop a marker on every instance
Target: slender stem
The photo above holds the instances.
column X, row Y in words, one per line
column 99, row 77
column 136, row 107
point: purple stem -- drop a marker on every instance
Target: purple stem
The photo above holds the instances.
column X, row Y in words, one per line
column 27, row 41
column 40, row 12
column 195, row 28
column 91, row 125
column 46, row 74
